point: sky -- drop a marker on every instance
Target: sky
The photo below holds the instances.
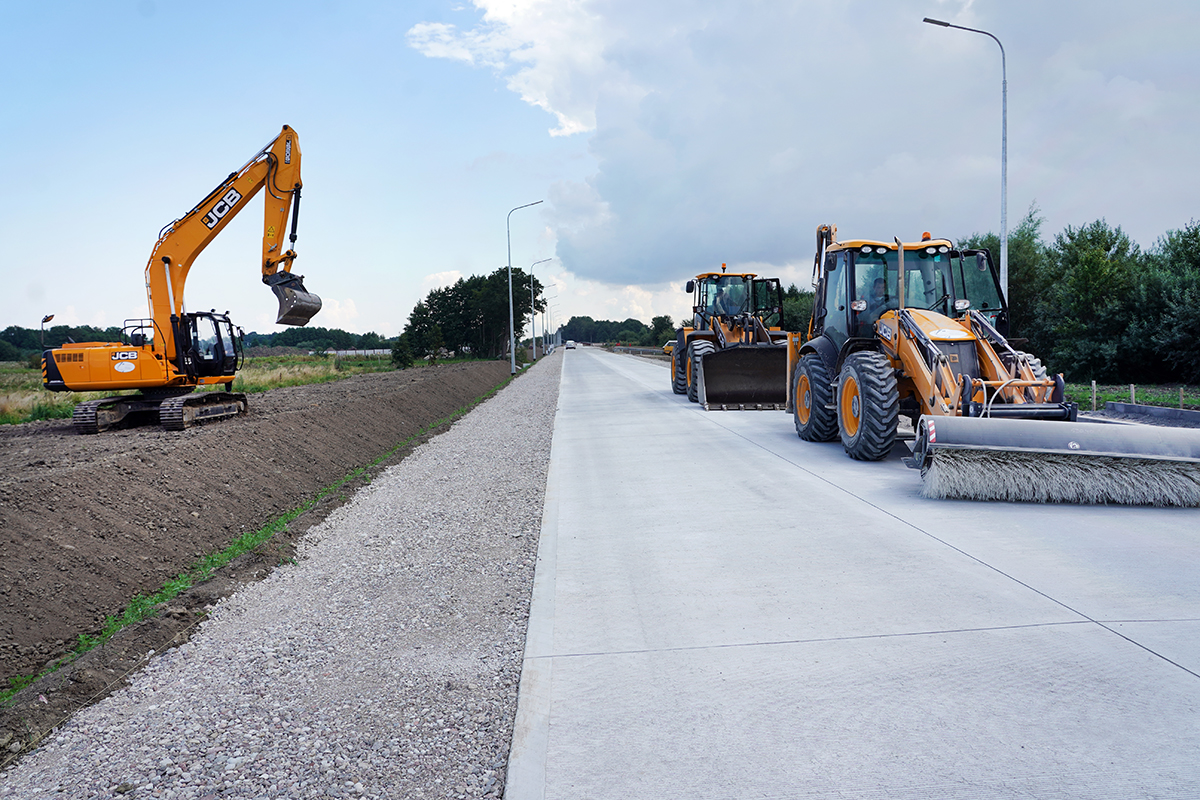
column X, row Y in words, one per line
column 663, row 139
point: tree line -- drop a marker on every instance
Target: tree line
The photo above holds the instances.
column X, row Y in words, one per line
column 18, row 344
column 470, row 317
column 1095, row 306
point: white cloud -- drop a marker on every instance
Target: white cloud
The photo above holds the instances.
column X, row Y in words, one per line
column 438, row 280
column 728, row 131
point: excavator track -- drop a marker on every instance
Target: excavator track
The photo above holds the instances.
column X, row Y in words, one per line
column 94, row 416
column 178, row 413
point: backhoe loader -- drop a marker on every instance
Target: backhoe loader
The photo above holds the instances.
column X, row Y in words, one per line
column 734, row 354
column 919, row 330
column 173, row 352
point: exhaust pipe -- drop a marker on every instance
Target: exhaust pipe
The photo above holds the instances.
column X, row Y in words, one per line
column 296, row 305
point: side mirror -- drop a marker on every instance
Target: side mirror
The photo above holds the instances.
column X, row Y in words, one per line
column 691, row 287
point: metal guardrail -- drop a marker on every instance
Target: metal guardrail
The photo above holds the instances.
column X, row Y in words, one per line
column 639, row 351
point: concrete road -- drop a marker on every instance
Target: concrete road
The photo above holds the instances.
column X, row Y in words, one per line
column 724, row 611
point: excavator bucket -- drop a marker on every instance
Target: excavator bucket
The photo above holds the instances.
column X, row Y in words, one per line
column 1057, row 462
column 745, row 377
column 296, row 306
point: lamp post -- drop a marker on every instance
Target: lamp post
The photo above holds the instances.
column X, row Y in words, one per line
column 512, row 336
column 1003, row 151
column 45, row 319
column 545, row 322
column 532, row 313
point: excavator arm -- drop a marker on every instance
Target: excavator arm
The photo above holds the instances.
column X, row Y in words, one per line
column 275, row 167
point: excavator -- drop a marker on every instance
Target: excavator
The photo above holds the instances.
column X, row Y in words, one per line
column 919, row 330
column 734, row 354
column 173, row 352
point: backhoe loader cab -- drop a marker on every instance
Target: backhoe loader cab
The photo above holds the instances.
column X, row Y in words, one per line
column 733, row 355
column 908, row 330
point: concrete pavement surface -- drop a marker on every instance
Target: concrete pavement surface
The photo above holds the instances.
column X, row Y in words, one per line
column 721, row 610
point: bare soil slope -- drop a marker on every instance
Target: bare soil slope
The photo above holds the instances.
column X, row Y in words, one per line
column 87, row 522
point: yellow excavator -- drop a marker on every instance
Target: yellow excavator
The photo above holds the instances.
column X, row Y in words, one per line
column 919, row 330
column 734, row 354
column 167, row 356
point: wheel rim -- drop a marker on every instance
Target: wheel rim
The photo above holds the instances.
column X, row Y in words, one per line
column 850, row 406
column 803, row 399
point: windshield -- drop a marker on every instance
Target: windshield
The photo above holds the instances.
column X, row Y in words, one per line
column 927, row 275
column 724, row 295
column 974, row 281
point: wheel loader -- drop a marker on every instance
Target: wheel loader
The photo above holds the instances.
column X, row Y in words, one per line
column 918, row 330
column 167, row 356
column 734, row 354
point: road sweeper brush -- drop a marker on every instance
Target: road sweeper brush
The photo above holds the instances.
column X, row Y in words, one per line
column 1065, row 462
column 918, row 330
column 734, row 354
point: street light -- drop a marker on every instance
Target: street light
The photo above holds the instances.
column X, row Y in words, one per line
column 512, row 337
column 532, row 313
column 1003, row 151
column 45, row 319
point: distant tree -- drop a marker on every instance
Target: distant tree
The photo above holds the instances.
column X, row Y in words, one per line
column 1172, row 288
column 1085, row 311
column 402, row 356
column 797, row 309
column 1028, row 276
column 661, row 329
column 8, row 352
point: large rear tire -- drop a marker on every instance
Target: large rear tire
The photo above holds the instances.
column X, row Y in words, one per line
column 868, row 406
column 679, row 381
column 696, row 351
column 1035, row 364
column 812, row 392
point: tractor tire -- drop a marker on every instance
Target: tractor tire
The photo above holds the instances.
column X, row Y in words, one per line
column 1035, row 363
column 679, row 378
column 812, row 393
column 868, row 406
column 696, row 351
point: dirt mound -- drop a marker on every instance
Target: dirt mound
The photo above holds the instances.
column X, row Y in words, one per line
column 87, row 522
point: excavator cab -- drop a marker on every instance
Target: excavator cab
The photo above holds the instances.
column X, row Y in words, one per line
column 215, row 348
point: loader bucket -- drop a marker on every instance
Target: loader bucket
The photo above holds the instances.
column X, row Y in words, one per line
column 296, row 306
column 744, row 377
column 1072, row 462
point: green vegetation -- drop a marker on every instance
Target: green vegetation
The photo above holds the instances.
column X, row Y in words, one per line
column 22, row 398
column 471, row 317
column 145, row 606
column 1094, row 306
column 1146, row 395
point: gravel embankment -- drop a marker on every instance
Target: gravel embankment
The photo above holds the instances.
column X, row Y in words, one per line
column 383, row 664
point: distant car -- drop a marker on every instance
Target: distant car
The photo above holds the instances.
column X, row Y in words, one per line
column 669, row 346
column 570, row 344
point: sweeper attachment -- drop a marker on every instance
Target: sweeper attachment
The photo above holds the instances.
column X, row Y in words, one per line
column 918, row 330
column 734, row 355
column 1065, row 462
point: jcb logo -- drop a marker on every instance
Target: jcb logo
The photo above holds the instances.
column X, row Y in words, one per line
column 223, row 207
column 125, row 355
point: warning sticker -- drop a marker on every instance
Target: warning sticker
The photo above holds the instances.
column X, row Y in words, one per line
column 271, row 232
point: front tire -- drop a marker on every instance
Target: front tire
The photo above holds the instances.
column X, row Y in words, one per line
column 696, row 352
column 679, row 381
column 868, row 406
column 812, row 393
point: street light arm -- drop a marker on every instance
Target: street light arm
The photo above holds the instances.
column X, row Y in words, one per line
column 512, row 335
column 1003, row 148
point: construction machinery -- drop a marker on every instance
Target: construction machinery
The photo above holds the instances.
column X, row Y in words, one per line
column 167, row 356
column 918, row 330
column 734, row 354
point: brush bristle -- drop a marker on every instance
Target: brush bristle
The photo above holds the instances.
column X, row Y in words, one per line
column 1058, row 478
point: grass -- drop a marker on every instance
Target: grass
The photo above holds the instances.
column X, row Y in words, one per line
column 143, row 607
column 22, row 398
column 1166, row 395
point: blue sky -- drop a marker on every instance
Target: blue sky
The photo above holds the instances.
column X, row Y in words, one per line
column 664, row 138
